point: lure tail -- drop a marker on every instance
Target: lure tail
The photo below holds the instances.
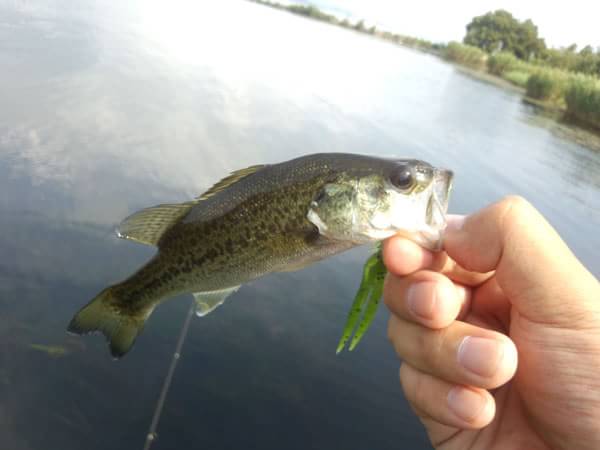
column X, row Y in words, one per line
column 108, row 314
column 365, row 302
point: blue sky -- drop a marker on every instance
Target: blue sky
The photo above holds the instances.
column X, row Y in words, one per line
column 561, row 23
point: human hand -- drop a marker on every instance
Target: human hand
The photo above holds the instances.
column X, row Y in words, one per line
column 506, row 284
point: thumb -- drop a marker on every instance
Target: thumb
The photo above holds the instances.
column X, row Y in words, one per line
column 534, row 267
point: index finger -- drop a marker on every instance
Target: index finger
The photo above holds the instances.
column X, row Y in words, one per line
column 402, row 257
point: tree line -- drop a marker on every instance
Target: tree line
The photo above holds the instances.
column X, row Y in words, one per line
column 500, row 31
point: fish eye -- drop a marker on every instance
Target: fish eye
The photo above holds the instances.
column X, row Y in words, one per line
column 402, row 178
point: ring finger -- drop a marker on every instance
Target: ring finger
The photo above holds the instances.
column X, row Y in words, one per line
column 445, row 403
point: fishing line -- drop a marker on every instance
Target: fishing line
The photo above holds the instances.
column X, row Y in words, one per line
column 151, row 435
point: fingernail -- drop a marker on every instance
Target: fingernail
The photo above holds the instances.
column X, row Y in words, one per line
column 465, row 403
column 455, row 222
column 421, row 298
column 480, row 355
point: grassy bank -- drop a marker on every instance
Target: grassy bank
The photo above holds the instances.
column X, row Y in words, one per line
column 466, row 55
column 577, row 95
column 583, row 99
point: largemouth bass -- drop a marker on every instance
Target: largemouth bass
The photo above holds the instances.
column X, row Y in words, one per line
column 263, row 219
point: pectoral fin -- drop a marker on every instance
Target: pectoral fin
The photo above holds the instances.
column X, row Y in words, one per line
column 206, row 302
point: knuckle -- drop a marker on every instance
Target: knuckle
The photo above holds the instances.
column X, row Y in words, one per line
column 408, row 381
column 431, row 345
column 415, row 388
column 390, row 331
column 512, row 212
column 513, row 205
column 421, row 394
column 403, row 375
column 388, row 290
column 514, row 200
column 395, row 335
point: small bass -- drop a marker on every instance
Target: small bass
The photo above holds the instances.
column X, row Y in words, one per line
column 263, row 219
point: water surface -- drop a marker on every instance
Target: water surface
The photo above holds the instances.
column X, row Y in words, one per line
column 106, row 109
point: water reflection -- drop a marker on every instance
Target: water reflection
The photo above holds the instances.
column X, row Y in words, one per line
column 107, row 109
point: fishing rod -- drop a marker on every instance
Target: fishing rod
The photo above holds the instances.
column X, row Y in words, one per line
column 152, row 435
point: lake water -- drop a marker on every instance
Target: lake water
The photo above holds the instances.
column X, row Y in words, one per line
column 106, row 109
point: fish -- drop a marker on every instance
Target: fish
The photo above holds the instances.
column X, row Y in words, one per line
column 261, row 219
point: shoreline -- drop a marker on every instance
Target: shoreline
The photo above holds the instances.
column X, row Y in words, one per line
column 561, row 125
column 490, row 78
column 552, row 109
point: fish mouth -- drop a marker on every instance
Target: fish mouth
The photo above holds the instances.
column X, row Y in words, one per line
column 437, row 206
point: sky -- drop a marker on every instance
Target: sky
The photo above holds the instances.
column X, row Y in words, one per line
column 561, row 23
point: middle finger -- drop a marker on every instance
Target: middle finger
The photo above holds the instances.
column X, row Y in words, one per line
column 460, row 353
column 426, row 297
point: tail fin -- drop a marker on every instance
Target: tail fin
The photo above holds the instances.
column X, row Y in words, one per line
column 104, row 314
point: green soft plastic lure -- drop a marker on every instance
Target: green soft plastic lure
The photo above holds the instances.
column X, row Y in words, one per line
column 366, row 301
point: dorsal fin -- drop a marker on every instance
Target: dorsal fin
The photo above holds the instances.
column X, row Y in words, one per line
column 148, row 225
column 230, row 179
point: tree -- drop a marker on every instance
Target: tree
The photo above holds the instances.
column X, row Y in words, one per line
column 360, row 26
column 499, row 30
column 587, row 61
column 528, row 43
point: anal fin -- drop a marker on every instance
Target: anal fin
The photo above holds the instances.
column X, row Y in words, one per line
column 207, row 302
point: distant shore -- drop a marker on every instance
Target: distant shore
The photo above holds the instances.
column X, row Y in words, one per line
column 575, row 96
column 360, row 27
column 551, row 117
column 567, row 96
